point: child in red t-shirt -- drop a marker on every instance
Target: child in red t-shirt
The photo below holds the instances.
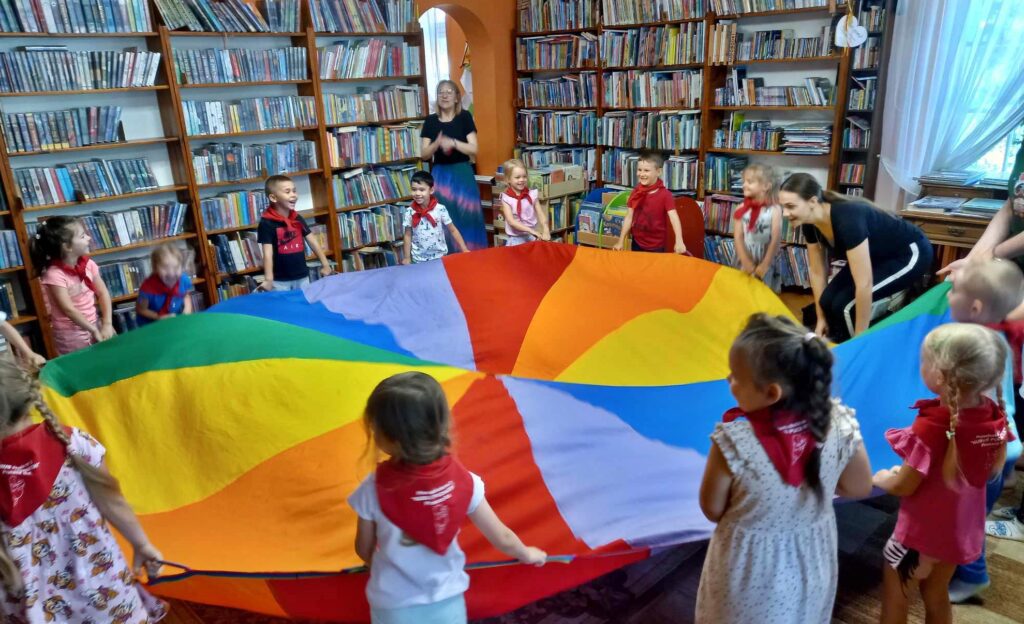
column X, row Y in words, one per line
column 648, row 204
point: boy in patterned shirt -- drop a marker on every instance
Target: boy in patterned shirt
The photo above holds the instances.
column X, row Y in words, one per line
column 424, row 222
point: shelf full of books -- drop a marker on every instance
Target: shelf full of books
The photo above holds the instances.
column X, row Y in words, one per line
column 189, row 106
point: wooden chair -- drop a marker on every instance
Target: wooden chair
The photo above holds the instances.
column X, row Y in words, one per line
column 691, row 217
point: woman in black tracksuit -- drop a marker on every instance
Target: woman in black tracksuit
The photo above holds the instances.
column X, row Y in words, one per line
column 884, row 254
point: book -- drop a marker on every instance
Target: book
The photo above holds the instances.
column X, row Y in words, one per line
column 383, row 105
column 570, row 91
column 358, row 145
column 643, row 89
column 557, row 127
column 371, row 226
column 69, row 16
column 84, row 180
column 936, row 203
column 368, row 58
column 233, row 210
column 982, row 206
column 361, row 186
column 675, row 44
column 223, row 162
column 539, row 15
column 365, row 16
column 616, row 12
column 226, row 66
column 62, row 129
column 26, row 70
column 290, row 112
column 739, row 7
column 568, row 51
column 665, row 130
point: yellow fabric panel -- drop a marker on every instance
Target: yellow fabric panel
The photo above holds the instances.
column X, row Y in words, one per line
column 226, row 420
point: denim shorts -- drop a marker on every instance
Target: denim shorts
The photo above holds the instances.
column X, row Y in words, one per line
column 449, row 611
column 298, row 284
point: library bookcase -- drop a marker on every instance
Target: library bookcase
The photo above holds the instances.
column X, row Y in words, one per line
column 158, row 129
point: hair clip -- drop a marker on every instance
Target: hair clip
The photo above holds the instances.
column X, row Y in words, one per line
column 39, row 236
column 809, row 336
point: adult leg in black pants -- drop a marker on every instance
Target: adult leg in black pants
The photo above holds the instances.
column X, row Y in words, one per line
column 889, row 277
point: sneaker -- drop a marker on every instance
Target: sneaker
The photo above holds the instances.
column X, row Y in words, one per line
column 1003, row 513
column 961, row 591
column 1006, row 529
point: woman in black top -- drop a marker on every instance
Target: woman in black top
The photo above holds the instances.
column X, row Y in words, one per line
column 884, row 254
column 448, row 142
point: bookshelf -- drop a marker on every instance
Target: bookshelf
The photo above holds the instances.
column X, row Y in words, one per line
column 690, row 59
column 856, row 169
column 270, row 61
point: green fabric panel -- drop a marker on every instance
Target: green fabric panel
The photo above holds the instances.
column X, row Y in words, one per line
column 932, row 302
column 201, row 340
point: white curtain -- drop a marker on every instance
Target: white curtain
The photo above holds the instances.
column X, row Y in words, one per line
column 955, row 88
column 435, row 38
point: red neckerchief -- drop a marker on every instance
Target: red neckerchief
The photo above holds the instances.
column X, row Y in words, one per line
column 78, row 270
column 291, row 222
column 525, row 195
column 638, row 197
column 980, row 433
column 785, row 437
column 427, row 502
column 753, row 207
column 419, row 213
column 155, row 286
column 30, row 461
column 1014, row 333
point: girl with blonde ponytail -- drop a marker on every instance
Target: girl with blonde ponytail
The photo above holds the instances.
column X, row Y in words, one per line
column 58, row 560
column 956, row 444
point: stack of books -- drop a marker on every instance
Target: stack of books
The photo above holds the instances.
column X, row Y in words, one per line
column 808, row 137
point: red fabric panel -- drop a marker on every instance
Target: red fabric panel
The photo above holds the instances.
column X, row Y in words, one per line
column 499, row 294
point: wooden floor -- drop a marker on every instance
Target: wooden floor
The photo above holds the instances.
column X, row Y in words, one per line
column 663, row 589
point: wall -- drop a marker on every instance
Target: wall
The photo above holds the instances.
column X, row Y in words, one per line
column 488, row 26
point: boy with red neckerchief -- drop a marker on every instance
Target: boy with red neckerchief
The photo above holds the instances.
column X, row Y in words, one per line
column 425, row 222
column 282, row 233
column 986, row 292
column 649, row 203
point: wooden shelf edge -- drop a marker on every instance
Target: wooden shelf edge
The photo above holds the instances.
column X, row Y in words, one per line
column 204, row 137
column 58, row 35
column 142, row 244
column 85, row 202
column 371, row 79
column 95, row 146
column 248, row 83
column 189, row 33
column 382, row 163
column 342, row 209
column 208, row 185
column 82, row 91
column 385, row 122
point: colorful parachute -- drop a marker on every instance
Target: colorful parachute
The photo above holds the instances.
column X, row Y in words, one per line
column 583, row 383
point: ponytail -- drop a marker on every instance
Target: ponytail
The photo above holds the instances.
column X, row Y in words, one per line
column 47, row 246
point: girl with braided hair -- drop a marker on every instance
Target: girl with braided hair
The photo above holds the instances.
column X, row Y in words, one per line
column 58, row 560
column 770, row 479
column 955, row 445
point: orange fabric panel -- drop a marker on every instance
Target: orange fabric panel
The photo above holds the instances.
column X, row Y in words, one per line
column 551, row 344
column 229, row 530
column 499, row 294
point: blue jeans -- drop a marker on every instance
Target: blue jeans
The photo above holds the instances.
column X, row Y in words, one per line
column 976, row 573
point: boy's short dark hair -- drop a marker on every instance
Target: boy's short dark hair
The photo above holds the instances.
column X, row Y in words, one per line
column 655, row 158
column 423, row 177
column 273, row 181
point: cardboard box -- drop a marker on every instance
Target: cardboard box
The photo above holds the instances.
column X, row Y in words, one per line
column 564, row 180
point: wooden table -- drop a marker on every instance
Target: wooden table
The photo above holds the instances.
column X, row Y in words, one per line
column 952, row 235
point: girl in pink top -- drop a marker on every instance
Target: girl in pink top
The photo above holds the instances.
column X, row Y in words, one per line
column 525, row 220
column 956, row 444
column 72, row 285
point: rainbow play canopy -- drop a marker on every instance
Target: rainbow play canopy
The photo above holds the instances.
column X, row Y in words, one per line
column 584, row 385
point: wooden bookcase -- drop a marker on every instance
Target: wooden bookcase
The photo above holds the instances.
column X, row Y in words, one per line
column 867, row 154
column 172, row 136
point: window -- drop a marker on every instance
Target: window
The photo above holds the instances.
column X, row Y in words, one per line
column 998, row 162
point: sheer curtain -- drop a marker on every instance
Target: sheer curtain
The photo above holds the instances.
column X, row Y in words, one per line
column 435, row 39
column 955, row 88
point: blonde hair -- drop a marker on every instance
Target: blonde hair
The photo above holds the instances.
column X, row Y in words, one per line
column 164, row 251
column 972, row 360
column 19, row 393
column 458, row 95
column 511, row 165
column 766, row 173
column 998, row 284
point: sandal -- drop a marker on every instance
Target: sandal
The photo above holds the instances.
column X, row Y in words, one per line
column 1011, row 530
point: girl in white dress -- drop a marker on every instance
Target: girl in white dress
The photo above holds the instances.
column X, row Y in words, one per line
column 770, row 479
column 757, row 225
